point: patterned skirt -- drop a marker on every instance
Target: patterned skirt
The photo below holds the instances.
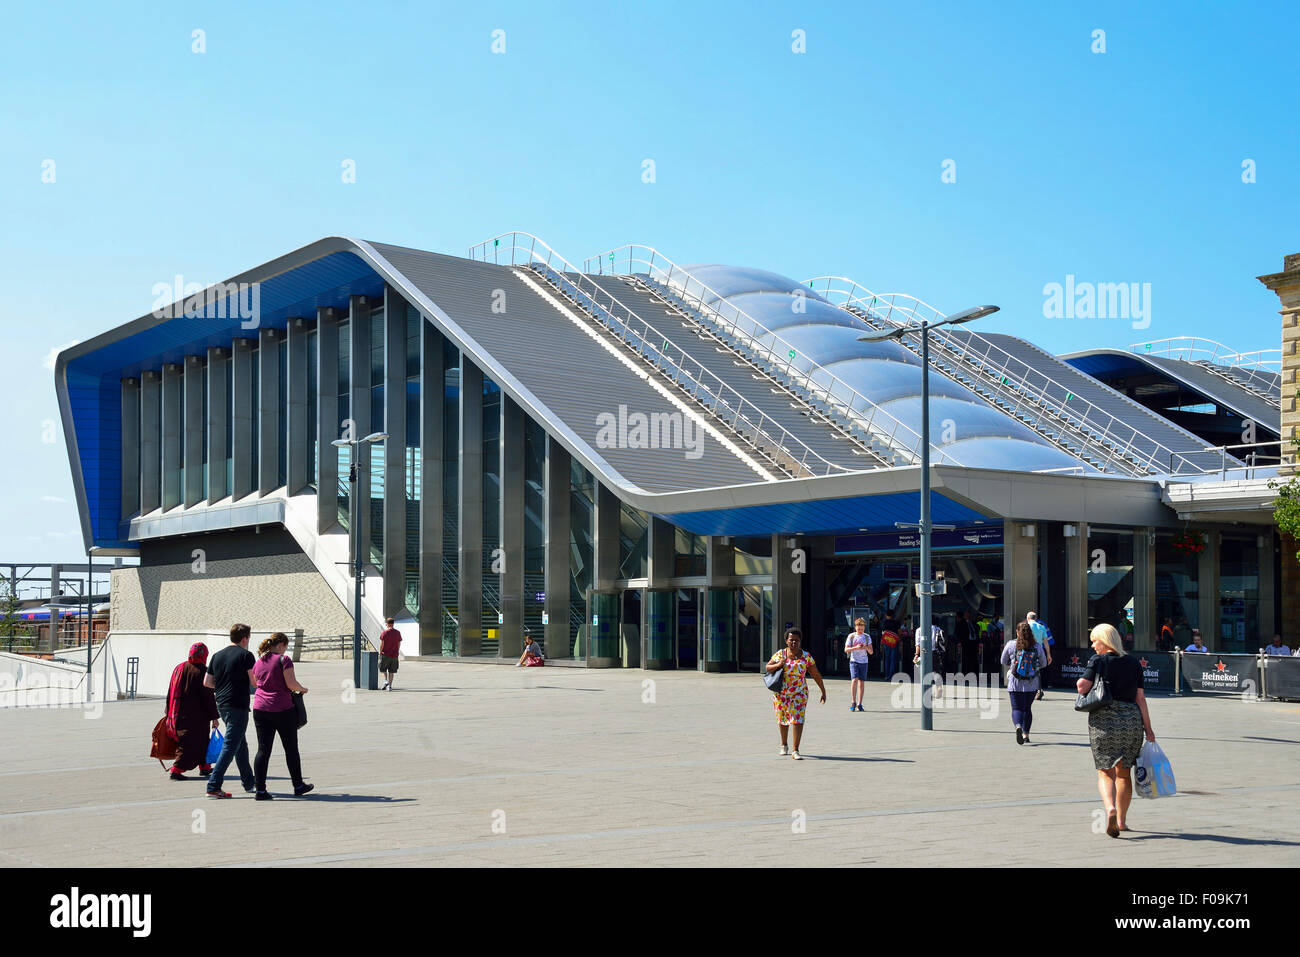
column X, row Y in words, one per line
column 790, row 708
column 1116, row 735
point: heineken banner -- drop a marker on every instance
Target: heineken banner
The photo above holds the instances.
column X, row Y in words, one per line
column 1228, row 673
column 1069, row 665
column 1283, row 677
column 1157, row 667
column 1157, row 670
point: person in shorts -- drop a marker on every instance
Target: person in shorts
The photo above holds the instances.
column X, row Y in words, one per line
column 390, row 640
column 858, row 647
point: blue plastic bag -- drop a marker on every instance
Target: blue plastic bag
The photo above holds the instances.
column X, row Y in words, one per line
column 215, row 741
column 1153, row 777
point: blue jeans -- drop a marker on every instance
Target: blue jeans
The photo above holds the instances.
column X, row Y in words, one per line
column 889, row 665
column 234, row 749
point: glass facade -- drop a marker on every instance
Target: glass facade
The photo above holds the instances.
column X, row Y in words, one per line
column 1111, row 581
column 491, row 570
column 451, row 502
column 1178, row 591
column 1239, row 625
column 582, row 510
column 689, row 620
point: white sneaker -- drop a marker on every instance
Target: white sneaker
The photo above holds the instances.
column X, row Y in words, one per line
column 796, row 755
column 785, row 750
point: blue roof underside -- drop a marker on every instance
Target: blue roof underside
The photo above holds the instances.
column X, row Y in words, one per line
column 871, row 512
column 94, row 380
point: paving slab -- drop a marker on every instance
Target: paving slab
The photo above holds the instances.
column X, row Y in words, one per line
column 489, row 766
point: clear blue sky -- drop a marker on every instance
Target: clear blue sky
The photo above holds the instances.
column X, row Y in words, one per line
column 1117, row 167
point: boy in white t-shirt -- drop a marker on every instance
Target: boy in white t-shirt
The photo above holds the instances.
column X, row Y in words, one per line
column 858, row 647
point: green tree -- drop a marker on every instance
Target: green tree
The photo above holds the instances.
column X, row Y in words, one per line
column 8, row 611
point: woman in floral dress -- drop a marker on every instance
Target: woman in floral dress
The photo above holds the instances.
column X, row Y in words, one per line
column 792, row 702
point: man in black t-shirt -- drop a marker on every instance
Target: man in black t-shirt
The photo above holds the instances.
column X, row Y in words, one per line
column 230, row 673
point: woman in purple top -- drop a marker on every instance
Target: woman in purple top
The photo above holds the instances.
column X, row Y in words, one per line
column 274, row 713
column 1024, row 659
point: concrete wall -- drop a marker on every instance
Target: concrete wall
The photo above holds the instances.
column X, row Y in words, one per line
column 262, row 579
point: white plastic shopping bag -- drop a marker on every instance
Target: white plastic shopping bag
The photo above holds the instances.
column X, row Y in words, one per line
column 1153, row 776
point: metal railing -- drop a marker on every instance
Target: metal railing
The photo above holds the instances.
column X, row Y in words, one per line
column 1253, row 370
column 1033, row 397
column 728, row 406
column 900, row 441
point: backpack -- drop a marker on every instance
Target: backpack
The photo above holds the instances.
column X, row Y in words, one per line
column 1024, row 664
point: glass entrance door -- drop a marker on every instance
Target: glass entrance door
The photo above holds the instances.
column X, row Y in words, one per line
column 689, row 613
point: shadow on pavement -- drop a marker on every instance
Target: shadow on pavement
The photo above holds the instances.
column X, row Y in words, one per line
column 827, row 757
column 1216, row 838
column 318, row 798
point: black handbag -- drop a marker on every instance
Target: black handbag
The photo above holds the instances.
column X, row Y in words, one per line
column 300, row 706
column 775, row 680
column 1098, row 697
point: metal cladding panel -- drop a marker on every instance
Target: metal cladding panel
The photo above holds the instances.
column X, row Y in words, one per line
column 572, row 376
column 876, row 512
column 822, row 439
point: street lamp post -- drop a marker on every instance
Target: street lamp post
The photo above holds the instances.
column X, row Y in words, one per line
column 926, row 587
column 354, row 475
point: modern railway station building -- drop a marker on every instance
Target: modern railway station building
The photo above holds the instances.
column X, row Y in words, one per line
column 653, row 465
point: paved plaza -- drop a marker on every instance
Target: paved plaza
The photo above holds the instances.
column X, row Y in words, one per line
column 498, row 766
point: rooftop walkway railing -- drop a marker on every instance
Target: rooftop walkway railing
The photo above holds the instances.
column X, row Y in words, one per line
column 773, row 440
column 898, row 442
column 1253, row 371
column 1014, row 386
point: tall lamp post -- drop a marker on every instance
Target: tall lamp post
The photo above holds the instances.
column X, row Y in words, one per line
column 354, row 474
column 926, row 587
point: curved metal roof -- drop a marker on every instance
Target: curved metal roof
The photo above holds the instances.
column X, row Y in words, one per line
column 825, row 339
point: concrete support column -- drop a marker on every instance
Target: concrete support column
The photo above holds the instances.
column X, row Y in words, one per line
column 603, row 652
column 719, row 651
column 172, row 430
column 789, row 564
column 394, row 453
column 270, row 342
column 1268, row 623
column 1076, row 585
column 218, row 417
column 360, row 412
column 1145, row 626
column 1207, row 611
column 298, row 464
column 242, row 391
column 432, row 436
column 1019, row 572
column 327, row 419
column 150, row 441
column 558, row 520
column 193, row 438
column 657, row 649
column 130, row 448
column 471, row 508
column 605, row 553
column 512, row 527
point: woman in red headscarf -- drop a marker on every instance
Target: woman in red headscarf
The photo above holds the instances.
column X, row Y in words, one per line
column 191, row 710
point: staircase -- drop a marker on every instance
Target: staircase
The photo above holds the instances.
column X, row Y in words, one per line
column 1256, row 383
column 730, row 413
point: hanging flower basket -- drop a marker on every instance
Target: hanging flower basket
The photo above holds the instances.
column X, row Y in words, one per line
column 1190, row 542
